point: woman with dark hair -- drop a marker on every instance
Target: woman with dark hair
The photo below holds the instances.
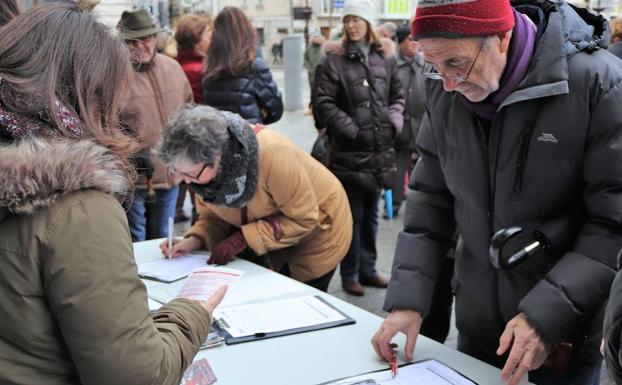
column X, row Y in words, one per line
column 258, row 193
column 236, row 79
column 73, row 308
column 8, row 10
column 360, row 100
column 193, row 36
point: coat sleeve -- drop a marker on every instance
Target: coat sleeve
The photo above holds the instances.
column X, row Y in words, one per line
column 268, row 96
column 209, row 228
column 338, row 122
column 612, row 330
column 579, row 282
column 100, row 304
column 289, row 185
column 396, row 98
column 429, row 226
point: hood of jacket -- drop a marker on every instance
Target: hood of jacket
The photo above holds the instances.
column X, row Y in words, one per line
column 580, row 30
column 35, row 173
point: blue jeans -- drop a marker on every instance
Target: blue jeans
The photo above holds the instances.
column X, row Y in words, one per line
column 165, row 209
column 361, row 257
column 576, row 375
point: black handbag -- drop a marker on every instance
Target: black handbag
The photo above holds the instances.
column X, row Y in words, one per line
column 320, row 148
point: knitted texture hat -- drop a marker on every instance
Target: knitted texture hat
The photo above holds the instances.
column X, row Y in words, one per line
column 360, row 8
column 461, row 18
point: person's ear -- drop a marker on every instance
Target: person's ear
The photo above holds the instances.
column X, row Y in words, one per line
column 504, row 41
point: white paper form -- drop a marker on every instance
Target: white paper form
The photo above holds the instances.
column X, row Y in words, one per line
column 169, row 270
column 274, row 316
column 259, row 287
column 203, row 282
column 430, row 372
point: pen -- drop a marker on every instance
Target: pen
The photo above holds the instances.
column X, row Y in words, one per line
column 393, row 363
column 170, row 237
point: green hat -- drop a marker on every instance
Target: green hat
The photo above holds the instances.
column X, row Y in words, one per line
column 136, row 24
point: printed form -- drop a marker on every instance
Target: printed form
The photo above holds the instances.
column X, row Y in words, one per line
column 275, row 316
column 429, row 372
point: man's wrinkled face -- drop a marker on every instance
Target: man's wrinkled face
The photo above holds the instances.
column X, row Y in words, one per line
column 470, row 66
column 142, row 49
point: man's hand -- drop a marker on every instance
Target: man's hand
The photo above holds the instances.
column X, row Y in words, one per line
column 529, row 351
column 406, row 321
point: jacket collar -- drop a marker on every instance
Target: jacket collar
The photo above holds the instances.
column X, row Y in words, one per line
column 578, row 30
column 35, row 173
column 189, row 56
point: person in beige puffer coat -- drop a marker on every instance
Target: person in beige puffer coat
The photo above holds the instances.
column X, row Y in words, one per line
column 74, row 311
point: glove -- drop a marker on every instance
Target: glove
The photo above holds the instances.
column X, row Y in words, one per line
column 224, row 251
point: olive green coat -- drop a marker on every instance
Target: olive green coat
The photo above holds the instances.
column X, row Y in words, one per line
column 73, row 308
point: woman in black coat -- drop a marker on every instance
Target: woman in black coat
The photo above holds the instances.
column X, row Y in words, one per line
column 236, row 79
column 360, row 100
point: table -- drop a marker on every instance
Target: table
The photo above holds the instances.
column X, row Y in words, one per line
column 313, row 357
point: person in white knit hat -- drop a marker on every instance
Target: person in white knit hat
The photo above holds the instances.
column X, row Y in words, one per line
column 359, row 99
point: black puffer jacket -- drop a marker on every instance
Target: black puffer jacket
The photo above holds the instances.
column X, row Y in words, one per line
column 247, row 96
column 361, row 120
column 554, row 146
column 612, row 331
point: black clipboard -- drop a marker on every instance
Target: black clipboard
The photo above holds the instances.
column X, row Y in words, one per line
column 230, row 340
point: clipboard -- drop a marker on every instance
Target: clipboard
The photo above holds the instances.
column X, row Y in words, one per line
column 220, row 326
column 461, row 378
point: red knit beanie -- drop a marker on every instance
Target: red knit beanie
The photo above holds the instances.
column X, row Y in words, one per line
column 461, row 18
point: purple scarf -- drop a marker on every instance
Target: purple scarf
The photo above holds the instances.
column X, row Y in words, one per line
column 519, row 56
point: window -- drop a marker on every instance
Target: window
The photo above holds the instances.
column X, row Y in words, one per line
column 261, row 37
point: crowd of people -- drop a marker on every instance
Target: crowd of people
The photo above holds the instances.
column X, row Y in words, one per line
column 492, row 115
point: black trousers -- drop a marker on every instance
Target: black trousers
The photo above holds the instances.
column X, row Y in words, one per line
column 320, row 283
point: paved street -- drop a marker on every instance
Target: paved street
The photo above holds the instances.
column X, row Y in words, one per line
column 300, row 129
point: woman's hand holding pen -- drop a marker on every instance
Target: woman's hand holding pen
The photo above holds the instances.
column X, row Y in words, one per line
column 181, row 246
column 406, row 321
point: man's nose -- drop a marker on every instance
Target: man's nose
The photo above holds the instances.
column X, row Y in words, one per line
column 450, row 84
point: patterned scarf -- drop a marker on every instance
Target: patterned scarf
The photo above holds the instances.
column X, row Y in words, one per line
column 236, row 181
column 14, row 125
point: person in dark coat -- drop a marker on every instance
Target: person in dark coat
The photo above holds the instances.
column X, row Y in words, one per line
column 235, row 79
column 612, row 331
column 410, row 66
column 522, row 127
column 359, row 98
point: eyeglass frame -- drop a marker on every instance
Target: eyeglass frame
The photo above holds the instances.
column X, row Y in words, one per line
column 458, row 78
column 197, row 177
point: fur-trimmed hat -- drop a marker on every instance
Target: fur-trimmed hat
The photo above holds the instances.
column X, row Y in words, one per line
column 461, row 18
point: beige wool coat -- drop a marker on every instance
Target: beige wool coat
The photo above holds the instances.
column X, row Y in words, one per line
column 73, row 310
column 303, row 196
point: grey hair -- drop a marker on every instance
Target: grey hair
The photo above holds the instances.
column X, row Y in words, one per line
column 196, row 133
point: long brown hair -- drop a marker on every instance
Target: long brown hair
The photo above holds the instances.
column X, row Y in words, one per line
column 232, row 50
column 57, row 53
column 8, row 10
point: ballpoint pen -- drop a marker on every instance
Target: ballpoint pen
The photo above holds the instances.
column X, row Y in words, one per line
column 170, row 237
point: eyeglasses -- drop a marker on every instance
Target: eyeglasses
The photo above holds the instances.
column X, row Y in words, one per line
column 197, row 177
column 458, row 78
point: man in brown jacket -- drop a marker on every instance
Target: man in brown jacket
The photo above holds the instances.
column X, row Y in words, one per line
column 158, row 87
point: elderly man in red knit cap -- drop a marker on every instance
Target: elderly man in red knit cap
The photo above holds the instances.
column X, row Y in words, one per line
column 522, row 128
